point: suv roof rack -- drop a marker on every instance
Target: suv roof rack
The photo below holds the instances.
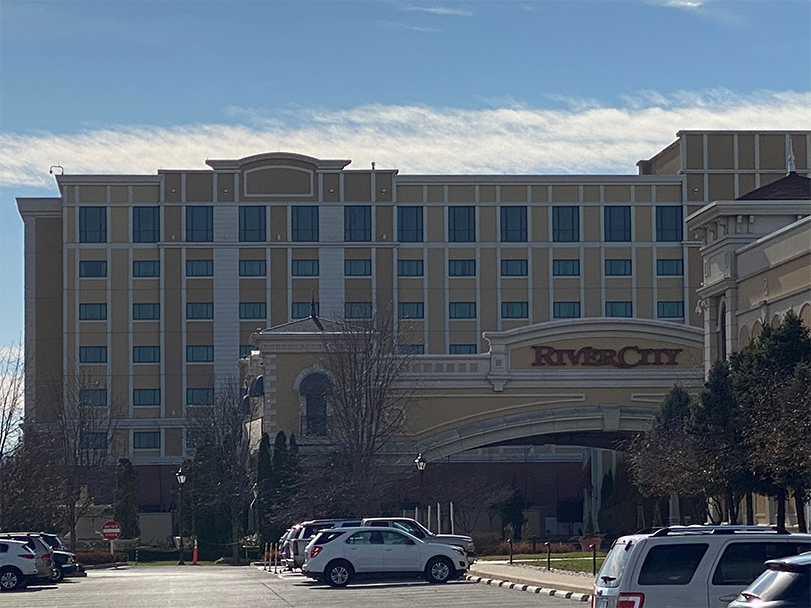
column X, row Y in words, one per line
column 722, row 529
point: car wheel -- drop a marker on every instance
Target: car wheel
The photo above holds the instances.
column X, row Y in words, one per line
column 57, row 574
column 11, row 579
column 338, row 574
column 439, row 570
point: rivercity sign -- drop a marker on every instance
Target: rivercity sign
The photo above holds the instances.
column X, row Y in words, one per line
column 625, row 358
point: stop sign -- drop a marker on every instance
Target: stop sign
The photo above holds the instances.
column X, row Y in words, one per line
column 111, row 530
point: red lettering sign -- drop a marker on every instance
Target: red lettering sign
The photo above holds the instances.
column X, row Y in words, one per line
column 625, row 358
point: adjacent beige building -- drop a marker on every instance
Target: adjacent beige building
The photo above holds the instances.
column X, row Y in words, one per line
column 541, row 307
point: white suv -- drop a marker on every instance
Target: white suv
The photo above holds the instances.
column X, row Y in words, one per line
column 689, row 566
column 339, row 555
column 17, row 564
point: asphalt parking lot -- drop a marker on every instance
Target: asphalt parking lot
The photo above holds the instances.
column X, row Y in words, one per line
column 224, row 587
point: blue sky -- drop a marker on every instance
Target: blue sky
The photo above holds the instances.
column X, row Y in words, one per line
column 537, row 86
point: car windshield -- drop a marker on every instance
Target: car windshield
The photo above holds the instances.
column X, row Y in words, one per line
column 781, row 585
column 413, row 528
column 53, row 541
column 613, row 567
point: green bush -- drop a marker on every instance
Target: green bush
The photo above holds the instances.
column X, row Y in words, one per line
column 91, row 558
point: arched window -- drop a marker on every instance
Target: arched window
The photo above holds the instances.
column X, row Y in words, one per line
column 314, row 388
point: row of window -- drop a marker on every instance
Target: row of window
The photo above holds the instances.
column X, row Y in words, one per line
column 363, row 268
column 358, row 223
column 194, row 311
column 145, row 396
column 147, row 354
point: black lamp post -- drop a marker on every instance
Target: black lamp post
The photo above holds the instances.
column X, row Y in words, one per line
column 181, row 479
column 421, row 463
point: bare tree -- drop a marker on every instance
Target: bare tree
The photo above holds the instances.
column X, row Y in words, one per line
column 86, row 420
column 12, row 392
column 370, row 395
column 221, row 467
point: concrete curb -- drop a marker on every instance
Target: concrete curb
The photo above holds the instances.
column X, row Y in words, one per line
column 105, row 566
column 580, row 597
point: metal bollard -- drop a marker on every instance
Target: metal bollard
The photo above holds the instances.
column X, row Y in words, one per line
column 510, row 545
column 593, row 559
column 548, row 555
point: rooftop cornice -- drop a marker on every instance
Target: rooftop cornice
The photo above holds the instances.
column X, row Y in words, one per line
column 728, row 208
column 540, row 179
column 78, row 179
column 236, row 163
column 39, row 207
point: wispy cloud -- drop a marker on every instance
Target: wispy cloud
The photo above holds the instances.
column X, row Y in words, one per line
column 708, row 9
column 580, row 138
column 407, row 27
column 440, row 10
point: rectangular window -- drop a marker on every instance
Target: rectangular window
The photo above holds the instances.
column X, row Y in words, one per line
column 357, row 223
column 514, row 224
column 92, row 224
column 669, row 223
column 462, row 310
column 513, row 268
column 94, row 397
column 146, row 312
column 253, row 310
column 617, row 223
column 146, row 268
column 566, row 268
column 252, row 224
column 462, row 268
column 92, row 354
column 252, row 268
column 200, row 223
column 199, row 310
column 670, row 310
column 358, row 310
column 199, row 396
column 199, row 268
column 670, row 268
column 409, row 224
column 199, row 354
column 671, row 564
column 146, row 396
column 462, row 349
column 619, row 309
column 410, row 310
column 409, row 268
column 146, row 224
column 412, row 349
column 566, row 224
column 92, row 268
column 618, row 268
column 304, row 223
column 461, row 224
column 146, row 440
column 93, row 440
column 245, row 350
column 566, row 310
column 358, row 268
column 302, row 310
column 92, row 312
column 304, row 268
column 146, row 354
column 514, row 310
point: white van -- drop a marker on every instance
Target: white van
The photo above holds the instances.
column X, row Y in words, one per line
column 689, row 566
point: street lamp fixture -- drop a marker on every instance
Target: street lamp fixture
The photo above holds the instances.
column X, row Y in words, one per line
column 420, row 462
column 181, row 479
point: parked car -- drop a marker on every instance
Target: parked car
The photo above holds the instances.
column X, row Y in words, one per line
column 689, row 566
column 786, row 583
column 17, row 564
column 304, row 532
column 64, row 561
column 338, row 556
column 42, row 553
column 415, row 528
